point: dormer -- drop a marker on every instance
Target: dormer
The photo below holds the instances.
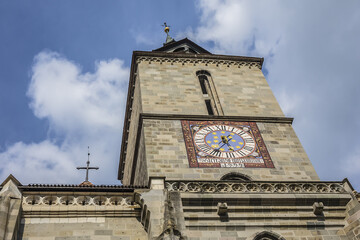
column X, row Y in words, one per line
column 183, row 46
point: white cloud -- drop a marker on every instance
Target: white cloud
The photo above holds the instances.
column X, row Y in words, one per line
column 42, row 162
column 83, row 109
column 311, row 55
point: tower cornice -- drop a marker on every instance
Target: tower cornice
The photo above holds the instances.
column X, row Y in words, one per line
column 198, row 58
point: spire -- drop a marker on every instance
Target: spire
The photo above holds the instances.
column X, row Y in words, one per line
column 167, row 30
column 87, row 168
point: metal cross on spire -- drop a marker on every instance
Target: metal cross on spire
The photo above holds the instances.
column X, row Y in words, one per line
column 87, row 168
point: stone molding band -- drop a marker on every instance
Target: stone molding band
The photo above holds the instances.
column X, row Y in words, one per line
column 255, row 187
column 194, row 61
column 158, row 116
column 56, row 200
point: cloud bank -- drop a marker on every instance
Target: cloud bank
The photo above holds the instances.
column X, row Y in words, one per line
column 82, row 109
column 311, row 56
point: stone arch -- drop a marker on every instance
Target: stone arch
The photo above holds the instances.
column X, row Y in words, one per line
column 202, row 72
column 266, row 235
column 231, row 176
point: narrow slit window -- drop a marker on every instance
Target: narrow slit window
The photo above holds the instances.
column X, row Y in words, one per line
column 209, row 108
column 202, row 79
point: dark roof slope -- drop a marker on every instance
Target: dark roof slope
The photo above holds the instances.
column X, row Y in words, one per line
column 186, row 41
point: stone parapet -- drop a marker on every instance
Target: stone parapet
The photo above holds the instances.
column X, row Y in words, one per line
column 77, row 200
column 255, row 187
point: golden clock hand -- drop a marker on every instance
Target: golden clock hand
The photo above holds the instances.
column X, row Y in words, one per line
column 224, row 139
column 220, row 147
column 230, row 147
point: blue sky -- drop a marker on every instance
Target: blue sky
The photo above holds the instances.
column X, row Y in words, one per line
column 65, row 62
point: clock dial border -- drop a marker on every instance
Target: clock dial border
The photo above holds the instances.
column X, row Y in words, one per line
column 196, row 160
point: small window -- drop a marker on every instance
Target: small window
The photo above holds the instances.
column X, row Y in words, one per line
column 212, row 101
column 209, row 108
column 202, row 79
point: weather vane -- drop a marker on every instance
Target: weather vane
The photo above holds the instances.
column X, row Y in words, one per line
column 87, row 168
column 167, row 30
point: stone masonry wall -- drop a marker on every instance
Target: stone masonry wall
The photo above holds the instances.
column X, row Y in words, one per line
column 82, row 228
column 136, row 109
column 175, row 89
column 141, row 167
column 166, row 154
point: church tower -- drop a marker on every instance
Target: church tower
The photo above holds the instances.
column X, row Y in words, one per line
column 192, row 115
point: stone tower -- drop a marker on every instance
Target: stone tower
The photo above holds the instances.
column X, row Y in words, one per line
column 181, row 88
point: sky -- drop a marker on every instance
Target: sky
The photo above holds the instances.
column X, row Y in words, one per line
column 64, row 70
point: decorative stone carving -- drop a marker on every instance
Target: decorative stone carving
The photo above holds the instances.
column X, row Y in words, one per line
column 77, row 200
column 222, row 209
column 193, row 61
column 255, row 187
column 318, row 208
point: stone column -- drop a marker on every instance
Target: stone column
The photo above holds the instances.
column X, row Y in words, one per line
column 154, row 200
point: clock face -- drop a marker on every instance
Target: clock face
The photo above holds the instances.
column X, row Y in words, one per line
column 225, row 144
column 225, row 141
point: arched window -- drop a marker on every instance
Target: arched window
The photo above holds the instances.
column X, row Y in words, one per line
column 203, row 81
column 267, row 235
column 234, row 176
column 208, row 90
column 180, row 49
column 203, row 72
column 184, row 50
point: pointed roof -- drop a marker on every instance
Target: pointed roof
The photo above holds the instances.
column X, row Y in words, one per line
column 11, row 177
column 173, row 46
column 10, row 188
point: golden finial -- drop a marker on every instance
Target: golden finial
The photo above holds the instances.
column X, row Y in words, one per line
column 167, row 30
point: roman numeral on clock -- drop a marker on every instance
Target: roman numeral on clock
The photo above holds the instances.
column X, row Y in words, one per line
column 239, row 154
column 230, row 155
column 220, row 127
column 203, row 147
column 216, row 153
column 249, row 140
column 200, row 134
column 250, row 149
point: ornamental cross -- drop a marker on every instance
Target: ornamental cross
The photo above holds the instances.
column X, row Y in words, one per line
column 87, row 168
